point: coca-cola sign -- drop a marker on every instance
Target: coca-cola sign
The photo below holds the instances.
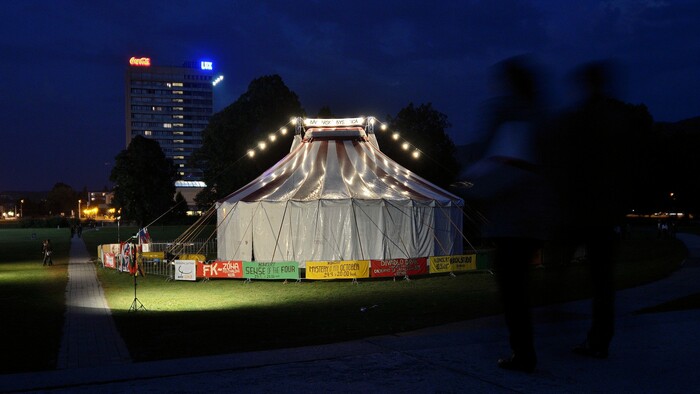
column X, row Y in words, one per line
column 140, row 61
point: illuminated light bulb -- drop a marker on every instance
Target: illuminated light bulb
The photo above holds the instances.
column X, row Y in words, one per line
column 395, row 136
column 293, row 120
column 371, row 121
column 405, row 146
column 262, row 145
column 251, row 153
column 383, row 126
column 283, row 130
column 416, row 154
column 272, row 137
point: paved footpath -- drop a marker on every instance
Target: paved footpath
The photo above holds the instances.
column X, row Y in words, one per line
column 90, row 338
column 651, row 353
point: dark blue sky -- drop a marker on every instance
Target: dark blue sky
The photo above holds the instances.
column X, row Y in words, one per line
column 62, row 63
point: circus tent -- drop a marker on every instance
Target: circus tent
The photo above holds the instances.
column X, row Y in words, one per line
column 336, row 196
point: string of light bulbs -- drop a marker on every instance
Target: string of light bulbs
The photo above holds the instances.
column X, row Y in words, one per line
column 283, row 131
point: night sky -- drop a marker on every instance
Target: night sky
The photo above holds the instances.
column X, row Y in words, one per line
column 63, row 63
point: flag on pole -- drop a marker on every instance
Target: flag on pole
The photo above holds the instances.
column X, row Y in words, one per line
column 144, row 236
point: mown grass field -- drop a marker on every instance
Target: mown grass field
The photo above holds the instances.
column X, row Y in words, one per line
column 186, row 319
column 220, row 316
column 32, row 298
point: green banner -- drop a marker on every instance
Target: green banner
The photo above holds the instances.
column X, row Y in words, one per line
column 271, row 270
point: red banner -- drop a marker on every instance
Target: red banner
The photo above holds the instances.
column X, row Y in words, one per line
column 109, row 260
column 399, row 267
column 220, row 269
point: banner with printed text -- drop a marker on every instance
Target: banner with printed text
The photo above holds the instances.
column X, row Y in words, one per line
column 351, row 269
column 459, row 263
column 185, row 270
column 399, row 267
column 114, row 250
column 220, row 269
column 109, row 260
column 271, row 270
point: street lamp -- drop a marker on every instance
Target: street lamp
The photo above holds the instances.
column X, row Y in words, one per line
column 79, row 201
column 21, row 208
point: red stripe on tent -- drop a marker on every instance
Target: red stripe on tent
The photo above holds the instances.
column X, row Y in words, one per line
column 390, row 180
column 417, row 179
column 240, row 194
column 313, row 183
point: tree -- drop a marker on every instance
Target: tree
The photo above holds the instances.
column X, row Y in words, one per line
column 267, row 105
column 62, row 199
column 424, row 128
column 179, row 212
column 145, row 181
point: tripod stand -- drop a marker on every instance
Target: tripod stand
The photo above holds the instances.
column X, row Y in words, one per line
column 136, row 305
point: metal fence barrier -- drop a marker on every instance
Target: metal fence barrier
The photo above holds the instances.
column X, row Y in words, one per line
column 166, row 268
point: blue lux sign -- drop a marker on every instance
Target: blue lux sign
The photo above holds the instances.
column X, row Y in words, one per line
column 207, row 65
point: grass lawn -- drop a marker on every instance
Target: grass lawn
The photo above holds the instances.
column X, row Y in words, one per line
column 220, row 316
column 32, row 298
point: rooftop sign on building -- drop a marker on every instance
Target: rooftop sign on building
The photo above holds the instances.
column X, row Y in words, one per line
column 140, row 61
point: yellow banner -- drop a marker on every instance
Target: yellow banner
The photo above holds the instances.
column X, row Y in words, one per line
column 153, row 255
column 350, row 269
column 465, row 262
column 195, row 257
column 442, row 264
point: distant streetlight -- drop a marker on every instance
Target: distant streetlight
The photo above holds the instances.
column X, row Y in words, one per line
column 79, row 202
column 21, row 208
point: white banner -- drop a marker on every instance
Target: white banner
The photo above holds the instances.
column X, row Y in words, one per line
column 185, row 270
column 334, row 122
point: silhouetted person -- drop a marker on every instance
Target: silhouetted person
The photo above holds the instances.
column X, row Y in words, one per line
column 79, row 230
column 511, row 193
column 47, row 251
column 72, row 231
column 592, row 158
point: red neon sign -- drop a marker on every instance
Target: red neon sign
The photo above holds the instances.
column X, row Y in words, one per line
column 140, row 62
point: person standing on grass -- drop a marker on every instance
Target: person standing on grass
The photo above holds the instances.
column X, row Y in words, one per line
column 48, row 251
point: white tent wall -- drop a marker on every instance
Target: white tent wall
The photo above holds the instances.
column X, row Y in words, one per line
column 448, row 230
column 234, row 231
column 333, row 230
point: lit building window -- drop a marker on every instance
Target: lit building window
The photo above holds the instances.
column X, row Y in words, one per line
column 178, row 141
column 177, row 92
column 167, row 125
column 147, row 132
column 179, row 84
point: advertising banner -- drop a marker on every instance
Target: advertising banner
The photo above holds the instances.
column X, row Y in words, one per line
column 465, row 262
column 114, row 249
column 220, row 269
column 185, row 270
column 351, row 269
column 399, row 267
column 153, row 255
column 442, row 264
column 109, row 260
column 271, row 270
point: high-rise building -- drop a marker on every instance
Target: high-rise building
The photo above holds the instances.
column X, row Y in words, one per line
column 171, row 105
